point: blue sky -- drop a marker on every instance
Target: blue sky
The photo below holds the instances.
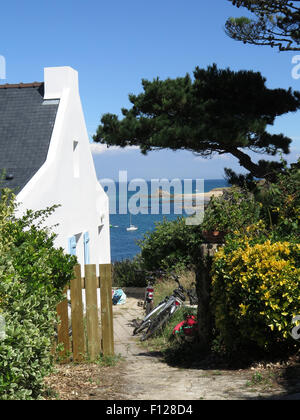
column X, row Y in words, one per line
column 115, row 44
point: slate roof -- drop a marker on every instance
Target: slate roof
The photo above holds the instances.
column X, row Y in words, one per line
column 26, row 125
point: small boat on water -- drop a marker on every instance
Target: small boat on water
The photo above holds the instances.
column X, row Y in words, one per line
column 131, row 226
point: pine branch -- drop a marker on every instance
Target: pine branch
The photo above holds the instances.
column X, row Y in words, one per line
column 276, row 24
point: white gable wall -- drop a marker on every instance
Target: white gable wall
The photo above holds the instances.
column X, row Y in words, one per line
column 68, row 176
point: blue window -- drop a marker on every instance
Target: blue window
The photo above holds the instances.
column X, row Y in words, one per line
column 72, row 245
column 86, row 240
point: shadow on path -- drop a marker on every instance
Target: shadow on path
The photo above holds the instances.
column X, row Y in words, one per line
column 147, row 374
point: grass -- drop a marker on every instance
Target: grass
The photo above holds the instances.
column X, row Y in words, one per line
column 165, row 287
column 265, row 379
column 109, row 360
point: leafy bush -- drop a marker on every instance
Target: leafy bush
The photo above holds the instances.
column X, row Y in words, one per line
column 234, row 210
column 25, row 357
column 129, row 273
column 256, row 292
column 281, row 203
column 32, row 276
column 172, row 245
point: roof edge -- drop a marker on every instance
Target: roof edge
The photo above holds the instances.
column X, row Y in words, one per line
column 22, row 85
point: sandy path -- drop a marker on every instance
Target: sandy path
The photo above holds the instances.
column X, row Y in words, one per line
column 147, row 377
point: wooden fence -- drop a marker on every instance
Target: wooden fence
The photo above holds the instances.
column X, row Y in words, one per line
column 91, row 334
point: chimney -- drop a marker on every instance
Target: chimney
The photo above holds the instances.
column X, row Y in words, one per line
column 57, row 79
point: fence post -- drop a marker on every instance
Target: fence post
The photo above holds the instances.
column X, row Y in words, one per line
column 63, row 328
column 93, row 333
column 106, row 309
column 77, row 316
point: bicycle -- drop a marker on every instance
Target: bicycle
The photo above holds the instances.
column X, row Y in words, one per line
column 148, row 302
column 151, row 277
column 158, row 317
column 149, row 293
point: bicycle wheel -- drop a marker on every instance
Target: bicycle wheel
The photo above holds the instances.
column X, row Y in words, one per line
column 149, row 318
column 141, row 327
column 156, row 325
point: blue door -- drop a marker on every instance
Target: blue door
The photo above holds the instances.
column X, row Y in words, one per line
column 86, row 240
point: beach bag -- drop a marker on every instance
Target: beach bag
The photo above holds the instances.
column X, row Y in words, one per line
column 122, row 299
column 118, row 297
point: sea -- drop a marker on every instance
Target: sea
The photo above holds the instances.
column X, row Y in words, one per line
column 123, row 242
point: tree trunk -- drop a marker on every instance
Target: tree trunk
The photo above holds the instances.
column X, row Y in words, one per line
column 203, row 281
column 247, row 163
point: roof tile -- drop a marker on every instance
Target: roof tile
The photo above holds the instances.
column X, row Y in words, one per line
column 25, row 131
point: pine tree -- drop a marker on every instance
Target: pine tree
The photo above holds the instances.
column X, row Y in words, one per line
column 216, row 112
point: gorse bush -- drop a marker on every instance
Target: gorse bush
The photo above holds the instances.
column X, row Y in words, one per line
column 32, row 277
column 256, row 292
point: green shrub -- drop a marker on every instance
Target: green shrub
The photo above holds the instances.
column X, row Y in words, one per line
column 173, row 245
column 129, row 273
column 32, row 276
column 25, row 357
column 281, row 203
column 256, row 292
column 234, row 210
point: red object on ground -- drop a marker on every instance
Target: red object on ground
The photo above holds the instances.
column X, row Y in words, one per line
column 187, row 327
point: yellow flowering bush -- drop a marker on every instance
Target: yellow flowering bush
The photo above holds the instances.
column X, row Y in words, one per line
column 256, row 292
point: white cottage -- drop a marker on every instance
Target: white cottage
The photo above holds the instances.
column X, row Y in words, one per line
column 45, row 152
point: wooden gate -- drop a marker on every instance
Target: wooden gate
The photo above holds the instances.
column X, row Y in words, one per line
column 92, row 329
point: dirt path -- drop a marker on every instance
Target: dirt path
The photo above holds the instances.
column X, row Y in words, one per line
column 146, row 377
